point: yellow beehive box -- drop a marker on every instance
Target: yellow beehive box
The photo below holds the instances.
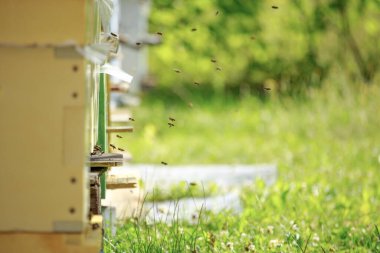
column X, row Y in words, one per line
column 46, row 115
column 43, row 21
column 42, row 129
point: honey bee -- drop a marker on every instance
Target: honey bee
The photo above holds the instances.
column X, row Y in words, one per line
column 213, row 60
column 274, row 7
column 159, row 33
column 196, row 83
column 193, row 29
column 112, row 146
column 219, row 68
column 177, row 71
column 120, row 149
column 193, row 183
column 119, row 136
column 138, row 43
column 97, row 148
column 164, row 163
column 216, row 13
column 171, row 119
column 253, row 37
column 131, row 119
column 266, row 88
column 170, row 124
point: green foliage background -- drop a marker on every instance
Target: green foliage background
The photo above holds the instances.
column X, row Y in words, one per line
column 298, row 45
column 324, row 53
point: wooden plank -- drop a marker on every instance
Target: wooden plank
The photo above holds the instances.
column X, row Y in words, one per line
column 121, row 182
column 123, row 129
column 105, row 163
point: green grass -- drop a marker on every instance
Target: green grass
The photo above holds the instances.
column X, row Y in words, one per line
column 326, row 146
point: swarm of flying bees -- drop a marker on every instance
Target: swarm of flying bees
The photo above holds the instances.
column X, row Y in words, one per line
column 218, row 68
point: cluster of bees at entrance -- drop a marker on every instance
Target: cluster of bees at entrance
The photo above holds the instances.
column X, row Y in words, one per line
column 171, row 120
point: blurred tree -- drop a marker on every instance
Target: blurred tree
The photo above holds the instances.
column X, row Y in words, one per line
column 242, row 46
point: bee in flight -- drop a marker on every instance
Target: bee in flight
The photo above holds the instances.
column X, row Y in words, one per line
column 119, row 136
column 193, row 29
column 216, row 13
column 131, row 119
column 170, row 124
column 274, row 7
column 138, row 43
column 196, row 83
column 171, row 119
column 159, row 33
column 164, row 163
column 219, row 68
column 177, row 71
column 213, row 60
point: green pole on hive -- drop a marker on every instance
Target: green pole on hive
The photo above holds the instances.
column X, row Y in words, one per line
column 102, row 127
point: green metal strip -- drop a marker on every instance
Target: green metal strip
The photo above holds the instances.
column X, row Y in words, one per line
column 102, row 134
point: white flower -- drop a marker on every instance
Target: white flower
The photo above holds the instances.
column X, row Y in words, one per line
column 275, row 243
column 270, row 229
column 224, row 233
column 251, row 247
